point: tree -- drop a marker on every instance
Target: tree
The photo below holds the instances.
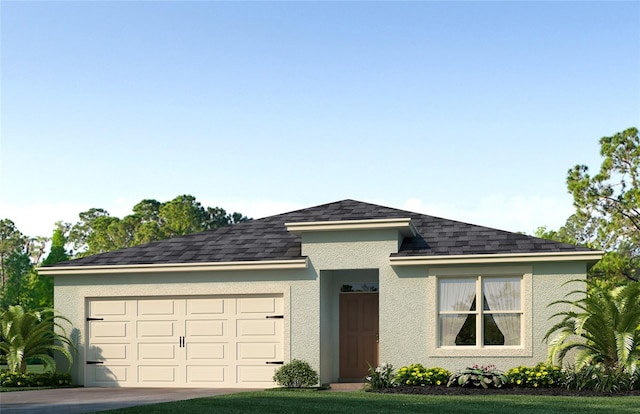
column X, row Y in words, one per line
column 183, row 215
column 18, row 269
column 82, row 230
column 11, row 239
column 98, row 232
column 603, row 326
column 42, row 286
column 31, row 335
column 608, row 203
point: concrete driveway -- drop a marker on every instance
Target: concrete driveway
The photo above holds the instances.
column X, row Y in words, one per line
column 89, row 400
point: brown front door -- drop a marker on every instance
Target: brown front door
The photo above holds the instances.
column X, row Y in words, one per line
column 358, row 334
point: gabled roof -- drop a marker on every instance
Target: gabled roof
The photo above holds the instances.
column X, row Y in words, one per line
column 267, row 239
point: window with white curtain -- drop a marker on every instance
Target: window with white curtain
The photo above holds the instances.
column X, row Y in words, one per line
column 480, row 311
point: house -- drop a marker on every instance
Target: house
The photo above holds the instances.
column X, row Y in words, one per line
column 340, row 285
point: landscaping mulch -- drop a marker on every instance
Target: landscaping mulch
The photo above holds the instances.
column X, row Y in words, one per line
column 441, row 390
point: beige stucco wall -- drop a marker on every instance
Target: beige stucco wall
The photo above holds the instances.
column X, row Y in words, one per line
column 298, row 287
column 408, row 312
column 412, row 319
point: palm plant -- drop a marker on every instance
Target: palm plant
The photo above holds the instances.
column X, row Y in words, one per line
column 603, row 327
column 31, row 335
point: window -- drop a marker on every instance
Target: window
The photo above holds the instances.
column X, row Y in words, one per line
column 494, row 320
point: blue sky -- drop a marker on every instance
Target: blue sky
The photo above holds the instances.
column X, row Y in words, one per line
column 467, row 110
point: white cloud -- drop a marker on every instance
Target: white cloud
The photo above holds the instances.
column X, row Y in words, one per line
column 514, row 213
column 255, row 209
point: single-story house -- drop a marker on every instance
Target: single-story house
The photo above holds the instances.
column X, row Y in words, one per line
column 342, row 286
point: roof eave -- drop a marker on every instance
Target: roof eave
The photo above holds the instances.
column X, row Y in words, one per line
column 589, row 257
column 177, row 267
column 403, row 225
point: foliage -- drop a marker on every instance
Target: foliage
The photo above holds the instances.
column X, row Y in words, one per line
column 603, row 326
column 296, row 374
column 418, row 375
column 34, row 379
column 11, row 240
column 98, row 232
column 541, row 375
column 18, row 269
column 597, row 377
column 485, row 376
column 609, row 201
column 31, row 336
column 380, row 377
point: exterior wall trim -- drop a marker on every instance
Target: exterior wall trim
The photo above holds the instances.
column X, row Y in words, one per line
column 589, row 257
column 178, row 267
column 403, row 225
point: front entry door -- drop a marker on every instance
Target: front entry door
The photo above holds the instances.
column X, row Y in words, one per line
column 358, row 334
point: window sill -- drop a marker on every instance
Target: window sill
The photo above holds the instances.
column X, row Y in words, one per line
column 506, row 351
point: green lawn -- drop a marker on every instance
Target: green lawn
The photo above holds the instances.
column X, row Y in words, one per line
column 358, row 402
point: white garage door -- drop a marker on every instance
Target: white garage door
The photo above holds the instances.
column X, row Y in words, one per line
column 184, row 342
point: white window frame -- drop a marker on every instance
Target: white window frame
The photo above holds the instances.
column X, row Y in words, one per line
column 434, row 349
column 479, row 311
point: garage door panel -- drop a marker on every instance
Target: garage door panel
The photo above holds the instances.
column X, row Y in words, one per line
column 111, row 330
column 206, row 328
column 109, row 308
column 210, row 374
column 110, row 375
column 207, row 306
column 156, row 307
column 157, row 374
column 156, row 351
column 217, row 351
column 157, row 329
column 258, row 375
column 259, row 350
column 108, row 352
column 257, row 327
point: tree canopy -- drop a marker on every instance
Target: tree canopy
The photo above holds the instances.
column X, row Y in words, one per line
column 151, row 220
column 96, row 231
column 607, row 206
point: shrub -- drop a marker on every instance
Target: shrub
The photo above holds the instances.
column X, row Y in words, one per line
column 603, row 326
column 485, row 376
column 296, row 374
column 599, row 377
column 418, row 375
column 33, row 379
column 30, row 335
column 380, row 377
column 541, row 375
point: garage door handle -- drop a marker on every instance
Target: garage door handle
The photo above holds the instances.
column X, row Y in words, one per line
column 94, row 362
column 275, row 362
column 275, row 317
column 95, row 319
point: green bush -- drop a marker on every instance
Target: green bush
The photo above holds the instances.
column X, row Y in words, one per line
column 34, row 379
column 380, row 377
column 418, row 375
column 541, row 375
column 485, row 376
column 600, row 378
column 296, row 374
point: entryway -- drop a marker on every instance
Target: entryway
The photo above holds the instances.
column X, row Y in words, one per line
column 348, row 324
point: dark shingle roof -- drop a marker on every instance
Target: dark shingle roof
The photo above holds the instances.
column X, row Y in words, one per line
column 268, row 239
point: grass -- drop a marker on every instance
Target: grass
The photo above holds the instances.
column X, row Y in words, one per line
column 265, row 402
